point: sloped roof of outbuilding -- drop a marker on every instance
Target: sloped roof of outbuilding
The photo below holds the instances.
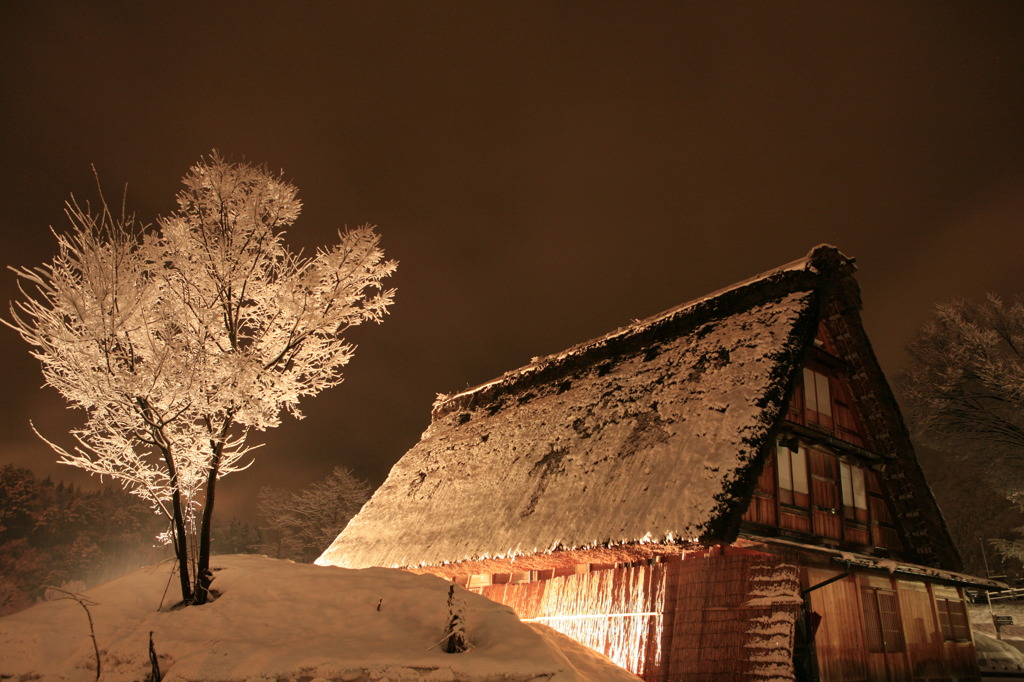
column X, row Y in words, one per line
column 646, row 434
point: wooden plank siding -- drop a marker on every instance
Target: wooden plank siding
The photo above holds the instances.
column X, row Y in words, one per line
column 918, row 651
column 728, row 614
column 825, row 492
column 839, row 642
column 731, row 613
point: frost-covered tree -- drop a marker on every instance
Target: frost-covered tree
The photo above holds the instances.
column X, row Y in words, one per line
column 178, row 340
column 302, row 525
column 964, row 389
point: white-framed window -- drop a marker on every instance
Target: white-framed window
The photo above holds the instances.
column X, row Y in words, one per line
column 817, row 396
column 794, row 486
column 855, row 493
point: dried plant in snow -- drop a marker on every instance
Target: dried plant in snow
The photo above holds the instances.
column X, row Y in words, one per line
column 55, row 593
column 178, row 340
column 456, row 640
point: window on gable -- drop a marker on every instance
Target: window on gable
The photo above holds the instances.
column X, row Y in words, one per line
column 883, row 523
column 817, row 399
column 825, row 493
column 795, row 413
column 761, row 509
column 855, row 493
column 794, row 488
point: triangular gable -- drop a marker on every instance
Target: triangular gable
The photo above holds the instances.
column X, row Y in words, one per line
column 651, row 434
column 922, row 527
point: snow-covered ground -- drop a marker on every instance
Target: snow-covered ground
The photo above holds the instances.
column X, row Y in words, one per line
column 981, row 619
column 275, row 620
column 994, row 656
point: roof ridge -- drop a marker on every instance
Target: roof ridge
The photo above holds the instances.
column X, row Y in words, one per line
column 820, row 258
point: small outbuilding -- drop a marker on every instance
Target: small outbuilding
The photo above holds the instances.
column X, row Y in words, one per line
column 724, row 491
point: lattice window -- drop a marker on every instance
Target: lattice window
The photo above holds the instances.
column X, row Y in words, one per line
column 953, row 619
column 883, row 630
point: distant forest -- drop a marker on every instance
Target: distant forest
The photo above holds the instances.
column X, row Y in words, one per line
column 58, row 535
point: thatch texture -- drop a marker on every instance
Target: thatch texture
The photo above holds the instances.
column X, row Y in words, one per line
column 644, row 435
column 645, row 439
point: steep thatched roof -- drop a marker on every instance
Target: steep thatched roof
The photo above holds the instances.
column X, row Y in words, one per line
column 647, row 434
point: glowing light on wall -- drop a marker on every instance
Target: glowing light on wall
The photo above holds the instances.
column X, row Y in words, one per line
column 616, row 612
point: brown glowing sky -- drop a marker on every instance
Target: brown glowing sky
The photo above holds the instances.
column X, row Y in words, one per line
column 545, row 172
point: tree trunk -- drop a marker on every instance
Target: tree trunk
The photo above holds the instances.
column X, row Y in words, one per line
column 203, row 575
column 180, row 540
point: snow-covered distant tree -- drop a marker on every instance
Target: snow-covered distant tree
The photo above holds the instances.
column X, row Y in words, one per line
column 302, row 525
column 964, row 390
column 178, row 340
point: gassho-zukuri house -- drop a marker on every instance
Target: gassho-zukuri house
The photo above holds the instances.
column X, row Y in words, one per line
column 724, row 491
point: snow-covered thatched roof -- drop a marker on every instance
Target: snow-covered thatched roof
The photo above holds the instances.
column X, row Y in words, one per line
column 646, row 435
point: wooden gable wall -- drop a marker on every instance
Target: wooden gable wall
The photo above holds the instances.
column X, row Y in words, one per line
column 842, row 470
column 822, row 479
column 925, row 538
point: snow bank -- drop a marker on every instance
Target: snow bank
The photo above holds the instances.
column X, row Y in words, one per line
column 278, row 620
column 981, row 620
column 995, row 656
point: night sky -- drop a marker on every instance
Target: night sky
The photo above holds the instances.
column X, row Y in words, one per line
column 544, row 171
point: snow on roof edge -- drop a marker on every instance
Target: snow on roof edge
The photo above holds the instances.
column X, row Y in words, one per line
column 668, row 538
column 891, row 565
column 811, row 262
column 436, row 485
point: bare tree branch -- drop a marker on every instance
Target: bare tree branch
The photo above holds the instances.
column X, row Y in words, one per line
column 964, row 389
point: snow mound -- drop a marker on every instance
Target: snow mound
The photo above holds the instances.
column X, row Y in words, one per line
column 995, row 656
column 276, row 620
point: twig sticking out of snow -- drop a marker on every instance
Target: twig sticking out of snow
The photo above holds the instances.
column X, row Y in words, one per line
column 85, row 603
column 174, row 570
